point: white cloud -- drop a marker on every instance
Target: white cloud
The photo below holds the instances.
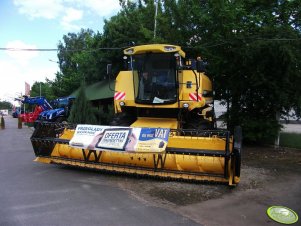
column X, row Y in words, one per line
column 8, row 79
column 13, row 77
column 18, row 67
column 102, row 7
column 21, row 57
column 69, row 12
column 49, row 9
column 71, row 16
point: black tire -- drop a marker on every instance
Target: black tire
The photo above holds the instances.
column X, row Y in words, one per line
column 237, row 147
column 237, row 162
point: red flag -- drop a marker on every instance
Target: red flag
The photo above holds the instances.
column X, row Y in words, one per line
column 27, row 89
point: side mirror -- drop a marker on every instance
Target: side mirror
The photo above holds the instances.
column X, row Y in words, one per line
column 109, row 69
column 200, row 65
column 109, row 73
column 125, row 63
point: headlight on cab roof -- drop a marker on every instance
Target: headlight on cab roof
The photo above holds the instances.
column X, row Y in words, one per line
column 169, row 48
column 129, row 51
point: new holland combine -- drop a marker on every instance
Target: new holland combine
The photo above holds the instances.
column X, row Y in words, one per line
column 164, row 124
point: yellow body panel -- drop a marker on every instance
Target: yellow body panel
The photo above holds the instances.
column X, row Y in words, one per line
column 204, row 164
column 140, row 171
column 174, row 162
column 156, row 123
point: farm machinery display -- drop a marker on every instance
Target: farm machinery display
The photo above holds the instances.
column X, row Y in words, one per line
column 59, row 112
column 41, row 104
column 164, row 125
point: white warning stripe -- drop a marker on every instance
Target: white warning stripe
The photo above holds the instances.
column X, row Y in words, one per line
column 119, row 96
column 195, row 96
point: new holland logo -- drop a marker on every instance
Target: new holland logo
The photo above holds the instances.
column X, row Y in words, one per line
column 119, row 96
column 195, row 96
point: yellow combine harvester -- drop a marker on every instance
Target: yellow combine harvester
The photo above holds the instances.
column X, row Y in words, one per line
column 164, row 124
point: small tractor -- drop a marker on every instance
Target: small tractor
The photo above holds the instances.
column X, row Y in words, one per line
column 164, row 124
column 59, row 113
column 41, row 104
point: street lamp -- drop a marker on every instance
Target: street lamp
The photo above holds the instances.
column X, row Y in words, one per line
column 53, row 61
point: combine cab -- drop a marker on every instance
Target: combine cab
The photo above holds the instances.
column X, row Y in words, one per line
column 164, row 125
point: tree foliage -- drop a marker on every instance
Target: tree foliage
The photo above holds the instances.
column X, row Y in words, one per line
column 43, row 89
column 252, row 46
column 5, row 105
column 78, row 62
column 81, row 110
column 257, row 65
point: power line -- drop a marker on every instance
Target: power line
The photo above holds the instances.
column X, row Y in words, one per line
column 67, row 50
column 25, row 49
column 204, row 45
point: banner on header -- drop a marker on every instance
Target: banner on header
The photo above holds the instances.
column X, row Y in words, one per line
column 124, row 139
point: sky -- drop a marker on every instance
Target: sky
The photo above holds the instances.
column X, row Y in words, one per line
column 41, row 24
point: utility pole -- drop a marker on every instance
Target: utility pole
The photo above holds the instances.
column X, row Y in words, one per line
column 156, row 13
column 21, row 105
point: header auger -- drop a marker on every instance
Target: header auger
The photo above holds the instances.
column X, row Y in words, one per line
column 164, row 125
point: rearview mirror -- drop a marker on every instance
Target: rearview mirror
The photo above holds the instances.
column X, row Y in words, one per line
column 200, row 65
column 109, row 69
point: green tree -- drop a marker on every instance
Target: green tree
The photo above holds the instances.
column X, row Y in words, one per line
column 82, row 111
column 44, row 89
column 79, row 60
column 5, row 105
column 256, row 63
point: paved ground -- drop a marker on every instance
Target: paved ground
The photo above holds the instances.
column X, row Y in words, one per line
column 38, row 194
column 288, row 128
column 291, row 128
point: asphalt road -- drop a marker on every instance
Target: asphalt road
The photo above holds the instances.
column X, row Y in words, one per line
column 40, row 194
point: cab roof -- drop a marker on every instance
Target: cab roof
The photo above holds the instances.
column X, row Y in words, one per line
column 154, row 48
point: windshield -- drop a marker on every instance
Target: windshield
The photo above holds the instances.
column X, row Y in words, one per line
column 154, row 78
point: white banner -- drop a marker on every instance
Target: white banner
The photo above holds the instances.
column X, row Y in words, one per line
column 109, row 138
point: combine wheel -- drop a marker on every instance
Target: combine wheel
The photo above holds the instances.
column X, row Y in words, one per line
column 237, row 162
column 235, row 167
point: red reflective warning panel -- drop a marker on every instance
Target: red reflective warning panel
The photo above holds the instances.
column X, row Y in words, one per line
column 119, row 96
column 195, row 96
